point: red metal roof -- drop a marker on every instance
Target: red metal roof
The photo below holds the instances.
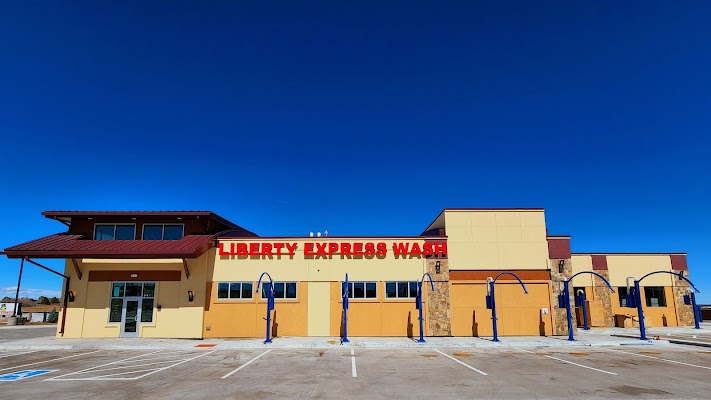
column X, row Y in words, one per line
column 64, row 245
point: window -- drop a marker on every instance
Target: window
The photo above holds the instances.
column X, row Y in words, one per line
column 400, row 290
column 234, row 290
column 114, row 232
column 282, row 290
column 655, row 296
column 622, row 294
column 119, row 290
column 162, row 231
column 361, row 290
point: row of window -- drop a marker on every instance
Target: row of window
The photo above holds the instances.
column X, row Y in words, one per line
column 128, row 231
column 287, row 290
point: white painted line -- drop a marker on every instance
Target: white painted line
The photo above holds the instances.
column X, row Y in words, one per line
column 464, row 364
column 18, row 354
column 171, row 366
column 113, row 377
column 46, row 361
column 580, row 365
column 526, row 351
column 353, row 366
column 125, row 366
column 657, row 358
column 102, row 365
column 246, row 364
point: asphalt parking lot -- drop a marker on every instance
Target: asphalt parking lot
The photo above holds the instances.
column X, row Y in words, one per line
column 616, row 372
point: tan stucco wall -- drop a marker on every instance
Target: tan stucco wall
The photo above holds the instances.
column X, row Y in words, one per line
column 502, row 239
column 518, row 313
column 88, row 315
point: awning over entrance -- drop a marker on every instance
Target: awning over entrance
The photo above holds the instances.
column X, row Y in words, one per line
column 65, row 245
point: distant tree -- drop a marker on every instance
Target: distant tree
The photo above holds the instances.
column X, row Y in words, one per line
column 54, row 300
column 44, row 301
column 53, row 316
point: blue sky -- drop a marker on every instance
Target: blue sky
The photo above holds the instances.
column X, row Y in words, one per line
column 361, row 118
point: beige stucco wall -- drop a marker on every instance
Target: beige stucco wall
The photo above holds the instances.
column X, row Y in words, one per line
column 88, row 315
column 582, row 262
column 501, row 239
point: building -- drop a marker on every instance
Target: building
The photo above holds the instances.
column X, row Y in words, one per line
column 39, row 313
column 193, row 274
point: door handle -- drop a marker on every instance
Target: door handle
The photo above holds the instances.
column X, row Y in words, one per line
column 136, row 318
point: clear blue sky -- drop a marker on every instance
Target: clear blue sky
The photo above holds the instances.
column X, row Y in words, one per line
column 361, row 118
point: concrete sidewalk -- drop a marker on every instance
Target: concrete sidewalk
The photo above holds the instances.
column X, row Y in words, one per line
column 53, row 343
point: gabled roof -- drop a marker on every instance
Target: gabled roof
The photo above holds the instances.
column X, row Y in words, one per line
column 64, row 245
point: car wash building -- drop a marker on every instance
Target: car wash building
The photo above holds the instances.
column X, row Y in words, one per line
column 193, row 274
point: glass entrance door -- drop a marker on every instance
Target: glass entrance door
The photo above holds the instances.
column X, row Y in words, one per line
column 131, row 316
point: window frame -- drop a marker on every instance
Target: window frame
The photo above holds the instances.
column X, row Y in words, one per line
column 296, row 285
column 621, row 296
column 142, row 297
column 143, row 230
column 115, row 224
column 365, row 291
column 662, row 299
column 229, row 291
column 397, row 291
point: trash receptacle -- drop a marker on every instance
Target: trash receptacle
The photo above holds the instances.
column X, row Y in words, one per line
column 12, row 321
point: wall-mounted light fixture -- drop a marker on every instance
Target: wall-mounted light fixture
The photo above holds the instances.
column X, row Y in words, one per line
column 437, row 268
column 190, row 295
column 134, row 275
column 561, row 266
column 70, row 296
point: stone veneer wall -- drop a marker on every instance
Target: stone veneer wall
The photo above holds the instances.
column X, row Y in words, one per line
column 439, row 320
column 683, row 312
column 602, row 293
column 560, row 319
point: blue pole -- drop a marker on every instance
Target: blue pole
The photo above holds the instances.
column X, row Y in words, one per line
column 640, row 312
column 419, row 306
column 585, row 313
column 566, row 298
column 696, row 311
column 270, row 303
column 493, row 311
column 345, row 312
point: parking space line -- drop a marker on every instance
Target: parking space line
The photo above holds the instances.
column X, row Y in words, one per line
column 246, row 364
column 99, row 366
column 18, row 354
column 46, row 361
column 464, row 364
column 657, row 358
column 353, row 366
column 114, row 376
column 567, row 362
column 580, row 365
column 171, row 366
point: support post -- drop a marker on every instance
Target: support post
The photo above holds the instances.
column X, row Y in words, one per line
column 640, row 312
column 493, row 311
column 584, row 305
column 17, row 290
column 66, row 304
column 569, row 313
column 418, row 301
column 345, row 311
column 696, row 311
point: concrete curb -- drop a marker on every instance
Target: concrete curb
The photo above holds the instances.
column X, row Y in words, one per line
column 291, row 346
column 673, row 340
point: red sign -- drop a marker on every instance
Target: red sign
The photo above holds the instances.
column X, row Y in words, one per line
column 317, row 249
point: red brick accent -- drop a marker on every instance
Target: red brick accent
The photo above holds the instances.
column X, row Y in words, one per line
column 678, row 262
column 558, row 247
column 599, row 263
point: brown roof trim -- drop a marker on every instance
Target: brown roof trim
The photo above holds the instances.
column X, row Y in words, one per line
column 497, row 209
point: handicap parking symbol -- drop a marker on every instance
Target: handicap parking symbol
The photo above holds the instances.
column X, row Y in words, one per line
column 16, row 376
